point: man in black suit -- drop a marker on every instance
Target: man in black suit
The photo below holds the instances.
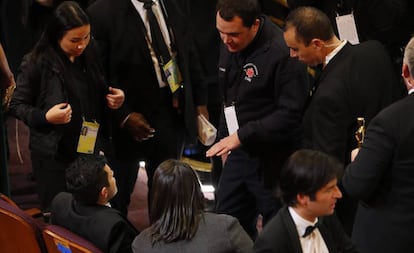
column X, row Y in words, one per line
column 153, row 123
column 381, row 176
column 388, row 21
column 86, row 210
column 356, row 81
column 308, row 186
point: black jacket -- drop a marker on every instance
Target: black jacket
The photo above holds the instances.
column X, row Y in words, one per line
column 102, row 225
column 280, row 235
column 41, row 84
column 268, row 88
column 118, row 28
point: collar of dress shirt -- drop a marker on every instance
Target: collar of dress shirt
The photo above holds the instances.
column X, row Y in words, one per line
column 301, row 223
column 332, row 54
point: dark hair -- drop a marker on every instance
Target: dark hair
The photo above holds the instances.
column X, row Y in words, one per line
column 305, row 172
column 309, row 23
column 68, row 15
column 177, row 203
column 247, row 10
column 85, row 178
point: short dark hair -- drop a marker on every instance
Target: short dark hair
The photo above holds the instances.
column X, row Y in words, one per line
column 85, row 178
column 305, row 172
column 247, row 10
column 309, row 23
column 177, row 203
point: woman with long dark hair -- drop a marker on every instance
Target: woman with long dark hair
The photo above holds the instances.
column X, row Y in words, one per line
column 179, row 222
column 60, row 90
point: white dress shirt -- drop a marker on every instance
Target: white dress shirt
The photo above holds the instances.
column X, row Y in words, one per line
column 156, row 8
column 332, row 54
column 313, row 243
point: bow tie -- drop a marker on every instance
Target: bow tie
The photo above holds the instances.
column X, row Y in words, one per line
column 147, row 3
column 309, row 230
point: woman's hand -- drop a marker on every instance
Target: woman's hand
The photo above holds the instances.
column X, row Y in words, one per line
column 59, row 114
column 115, row 98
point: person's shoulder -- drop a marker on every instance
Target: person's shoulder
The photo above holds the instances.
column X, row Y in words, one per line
column 63, row 198
column 218, row 218
column 106, row 7
column 217, row 224
column 274, row 35
column 111, row 219
column 277, row 227
column 399, row 109
column 370, row 45
column 142, row 240
column 110, row 214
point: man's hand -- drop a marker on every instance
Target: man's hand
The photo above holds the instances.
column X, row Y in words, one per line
column 202, row 109
column 115, row 98
column 59, row 114
column 354, row 154
column 138, row 127
column 224, row 146
column 46, row 3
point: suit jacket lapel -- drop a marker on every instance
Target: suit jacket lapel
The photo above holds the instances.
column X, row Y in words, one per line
column 137, row 31
column 343, row 53
column 291, row 229
column 327, row 237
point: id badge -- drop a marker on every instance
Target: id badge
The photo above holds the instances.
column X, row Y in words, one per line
column 231, row 119
column 347, row 28
column 87, row 137
column 173, row 74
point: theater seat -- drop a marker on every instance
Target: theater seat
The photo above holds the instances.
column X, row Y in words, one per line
column 34, row 212
column 60, row 240
column 19, row 232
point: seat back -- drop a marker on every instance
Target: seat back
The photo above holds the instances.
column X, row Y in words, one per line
column 19, row 231
column 60, row 240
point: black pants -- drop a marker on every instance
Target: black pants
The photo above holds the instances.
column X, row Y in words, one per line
column 50, row 178
column 167, row 143
column 241, row 192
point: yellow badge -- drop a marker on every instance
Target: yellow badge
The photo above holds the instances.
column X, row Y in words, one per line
column 87, row 137
column 173, row 74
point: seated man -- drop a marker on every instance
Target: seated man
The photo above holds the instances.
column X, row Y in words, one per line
column 308, row 186
column 86, row 210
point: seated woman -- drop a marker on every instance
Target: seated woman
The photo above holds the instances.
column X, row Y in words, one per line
column 178, row 220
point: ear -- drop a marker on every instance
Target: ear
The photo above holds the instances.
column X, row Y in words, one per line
column 408, row 79
column 405, row 71
column 103, row 193
column 302, row 199
column 317, row 43
column 256, row 24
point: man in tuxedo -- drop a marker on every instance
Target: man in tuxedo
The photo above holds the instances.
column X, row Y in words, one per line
column 355, row 81
column 388, row 21
column 86, row 210
column 153, row 123
column 308, row 187
column 381, row 175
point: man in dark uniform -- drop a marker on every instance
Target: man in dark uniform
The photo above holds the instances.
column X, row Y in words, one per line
column 264, row 93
